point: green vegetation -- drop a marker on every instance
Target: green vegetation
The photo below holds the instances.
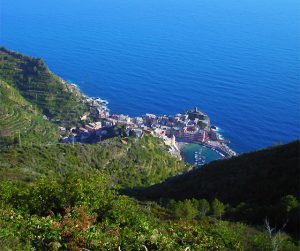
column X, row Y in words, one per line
column 83, row 211
column 71, row 197
column 28, row 90
column 20, row 123
column 65, row 197
column 141, row 162
column 253, row 186
column 47, row 92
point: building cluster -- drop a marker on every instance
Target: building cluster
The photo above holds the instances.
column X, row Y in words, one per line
column 191, row 126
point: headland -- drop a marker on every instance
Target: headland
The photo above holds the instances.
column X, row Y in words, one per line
column 191, row 126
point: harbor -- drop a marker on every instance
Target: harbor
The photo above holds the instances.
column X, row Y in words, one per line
column 198, row 154
column 192, row 127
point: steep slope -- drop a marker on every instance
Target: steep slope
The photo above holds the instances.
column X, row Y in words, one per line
column 139, row 163
column 258, row 177
column 65, row 197
column 31, row 77
column 20, row 122
column 82, row 212
column 255, row 186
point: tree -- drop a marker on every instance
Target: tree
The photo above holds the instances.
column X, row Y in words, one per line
column 288, row 203
column 184, row 209
column 203, row 206
column 217, row 208
column 189, row 209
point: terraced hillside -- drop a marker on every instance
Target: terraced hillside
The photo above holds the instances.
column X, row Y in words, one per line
column 42, row 88
column 20, row 122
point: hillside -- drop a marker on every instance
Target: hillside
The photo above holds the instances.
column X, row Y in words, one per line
column 70, row 196
column 65, row 197
column 255, row 186
column 32, row 78
column 257, row 177
column 139, row 163
column 20, row 123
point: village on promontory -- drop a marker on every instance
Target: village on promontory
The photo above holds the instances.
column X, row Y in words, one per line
column 192, row 126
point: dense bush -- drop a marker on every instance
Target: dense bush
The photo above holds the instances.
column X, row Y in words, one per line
column 254, row 186
column 84, row 212
column 139, row 163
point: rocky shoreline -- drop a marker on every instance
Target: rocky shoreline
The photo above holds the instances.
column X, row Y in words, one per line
column 192, row 126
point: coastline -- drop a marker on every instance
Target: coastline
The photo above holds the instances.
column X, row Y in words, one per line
column 175, row 145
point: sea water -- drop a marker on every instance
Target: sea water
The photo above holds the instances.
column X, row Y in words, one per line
column 239, row 61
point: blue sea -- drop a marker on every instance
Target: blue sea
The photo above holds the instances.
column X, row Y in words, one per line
column 238, row 60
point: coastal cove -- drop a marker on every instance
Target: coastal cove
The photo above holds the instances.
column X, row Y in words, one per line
column 87, row 120
column 198, row 155
column 182, row 132
column 188, row 135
